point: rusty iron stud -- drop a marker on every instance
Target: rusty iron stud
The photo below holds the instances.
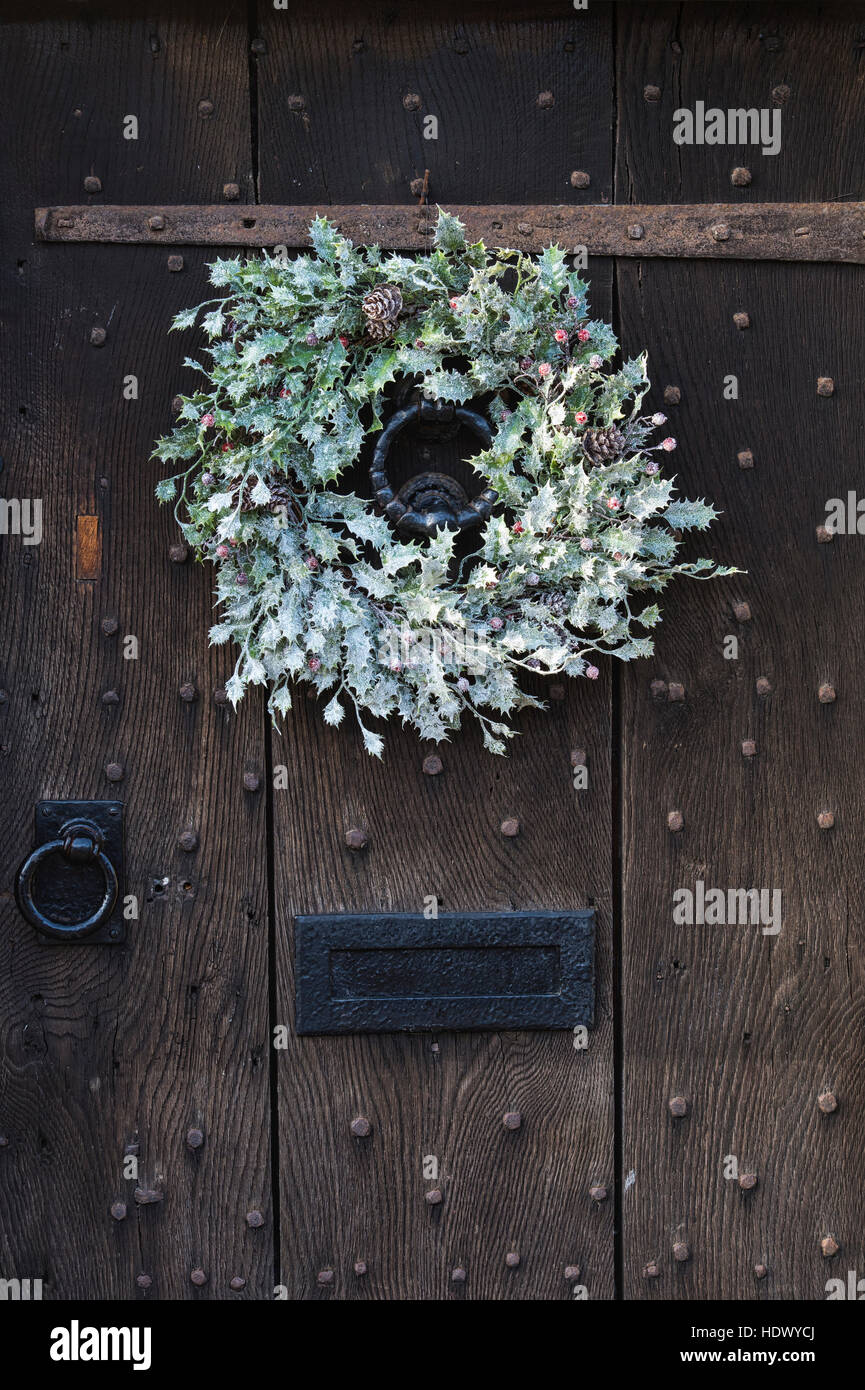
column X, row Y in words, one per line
column 231, row 192
column 360, row 1127
column 97, row 336
column 742, row 320
column 681, row 1251
column 4, row 1141
column 826, row 819
column 651, row 93
column 651, row 1270
column 525, row 228
column 258, row 46
column 572, row 1273
column 745, row 458
column 824, row 535
column 147, row 1196
column 432, row 765
column 417, row 187
column 510, row 827
column 251, row 781
column 118, row 1211
column 356, row 838
column 829, row 1246
column 675, row 691
column 780, row 94
column 324, row 1276
column 678, row 1106
column 546, row 100
column 92, row 184
column 194, row 1138
column 198, row 1278
column 188, row 692
column 237, row 1283
column 360, row 1268
column 220, row 695
column 825, row 386
column 176, row 404
column 672, row 395
column 742, row 612
column 635, row 231
column 658, row 689
column 458, row 1275
column 111, row 697
column 826, row 694
column 675, row 820
column 188, row 841
column 205, row 108
column 296, row 102
column 254, row 1219
column 156, row 223
column 748, row 1181
column 110, row 626
column 580, row 179
column 114, row 772
column 764, row 685
column 827, row 1102
column 556, row 692
column 598, row 1193
column 143, row 1281
column 760, row 1271
column 740, row 177
column 749, row 748
column 433, row 1197
column 512, row 1119
column 411, row 101
column 720, row 232
column 178, row 553
column 578, row 757
column 175, row 263
column 512, row 1259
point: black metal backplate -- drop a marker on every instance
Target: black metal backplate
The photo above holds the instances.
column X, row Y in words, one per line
column 68, row 892
column 376, row 973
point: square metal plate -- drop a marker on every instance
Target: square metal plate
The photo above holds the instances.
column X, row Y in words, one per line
column 386, row 973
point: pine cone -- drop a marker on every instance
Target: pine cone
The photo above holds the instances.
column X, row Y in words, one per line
column 604, row 445
column 280, row 496
column 382, row 308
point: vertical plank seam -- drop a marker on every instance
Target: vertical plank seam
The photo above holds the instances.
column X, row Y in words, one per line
column 616, row 802
column 269, row 816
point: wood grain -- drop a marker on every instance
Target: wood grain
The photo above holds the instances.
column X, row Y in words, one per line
column 526, row 1191
column 105, row 1048
column 749, row 1028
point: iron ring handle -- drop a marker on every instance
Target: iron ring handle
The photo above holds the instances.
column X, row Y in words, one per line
column 467, row 513
column 80, row 842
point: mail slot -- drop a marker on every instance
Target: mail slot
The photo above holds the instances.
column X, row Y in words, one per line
column 373, row 973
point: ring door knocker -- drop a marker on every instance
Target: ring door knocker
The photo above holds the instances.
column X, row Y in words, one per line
column 430, row 500
column 81, row 843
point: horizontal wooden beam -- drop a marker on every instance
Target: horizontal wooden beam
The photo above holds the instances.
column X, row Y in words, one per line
column 718, row 231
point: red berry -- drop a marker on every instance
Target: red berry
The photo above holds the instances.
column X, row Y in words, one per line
column 223, row 552
column 227, row 448
column 207, row 420
column 312, row 562
column 343, row 339
column 584, row 335
column 314, row 664
column 283, row 393
column 518, row 528
column 561, row 335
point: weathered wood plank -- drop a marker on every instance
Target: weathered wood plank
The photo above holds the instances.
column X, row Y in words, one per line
column 749, row 1028
column 346, row 1197
column 106, row 1047
column 703, row 231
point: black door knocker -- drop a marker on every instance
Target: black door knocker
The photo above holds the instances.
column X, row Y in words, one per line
column 430, row 500
column 69, row 887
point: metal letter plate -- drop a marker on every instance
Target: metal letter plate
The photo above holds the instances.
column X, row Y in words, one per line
column 377, row 973
column 69, row 890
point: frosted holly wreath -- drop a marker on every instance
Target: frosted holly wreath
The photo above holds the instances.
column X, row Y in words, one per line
column 315, row 584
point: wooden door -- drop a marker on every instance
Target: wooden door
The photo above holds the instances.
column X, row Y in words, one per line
column 250, row 1178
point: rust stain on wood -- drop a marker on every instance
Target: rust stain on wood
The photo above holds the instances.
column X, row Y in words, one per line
column 88, row 548
column 716, row 231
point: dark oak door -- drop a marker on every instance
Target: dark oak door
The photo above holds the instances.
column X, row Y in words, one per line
column 156, row 1143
